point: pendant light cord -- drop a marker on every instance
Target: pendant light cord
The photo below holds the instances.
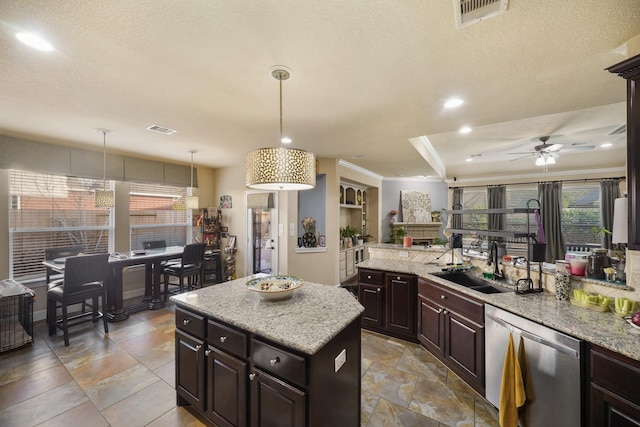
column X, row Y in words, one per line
column 280, row 80
column 104, row 159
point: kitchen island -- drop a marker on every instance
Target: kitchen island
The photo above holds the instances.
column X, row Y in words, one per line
column 243, row 360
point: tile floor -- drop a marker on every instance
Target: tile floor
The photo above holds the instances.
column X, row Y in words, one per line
column 126, row 379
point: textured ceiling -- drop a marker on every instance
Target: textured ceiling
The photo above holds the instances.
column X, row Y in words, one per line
column 369, row 77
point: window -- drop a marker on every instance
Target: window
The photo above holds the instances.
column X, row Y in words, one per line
column 580, row 212
column 157, row 212
column 49, row 211
column 474, row 198
column 517, row 197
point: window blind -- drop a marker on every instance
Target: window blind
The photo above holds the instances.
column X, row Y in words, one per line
column 581, row 213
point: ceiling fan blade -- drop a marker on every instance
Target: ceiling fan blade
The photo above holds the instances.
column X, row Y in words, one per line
column 553, row 147
column 523, row 152
column 578, row 148
column 521, row 157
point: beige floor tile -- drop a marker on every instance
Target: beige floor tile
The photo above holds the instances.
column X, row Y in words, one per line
column 85, row 414
column 113, row 389
column 43, row 407
column 178, row 417
column 167, row 372
column 142, row 407
column 100, row 368
column 381, row 349
column 368, row 404
column 388, row 414
column 33, row 385
column 438, row 402
column 389, row 383
column 26, row 361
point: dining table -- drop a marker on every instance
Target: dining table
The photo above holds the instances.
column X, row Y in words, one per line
column 152, row 259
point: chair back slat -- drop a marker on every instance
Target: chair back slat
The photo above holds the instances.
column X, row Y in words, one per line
column 80, row 270
column 154, row 244
column 193, row 253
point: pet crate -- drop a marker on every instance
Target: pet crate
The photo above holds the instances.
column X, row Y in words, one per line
column 16, row 315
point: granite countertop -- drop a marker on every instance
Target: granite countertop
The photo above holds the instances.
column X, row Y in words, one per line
column 603, row 329
column 312, row 317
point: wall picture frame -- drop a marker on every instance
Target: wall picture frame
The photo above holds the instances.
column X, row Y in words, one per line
column 231, row 243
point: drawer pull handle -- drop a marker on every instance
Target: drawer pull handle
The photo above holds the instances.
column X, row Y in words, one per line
column 207, row 352
column 198, row 347
column 223, row 339
column 185, row 322
column 252, row 376
column 274, row 361
column 443, row 297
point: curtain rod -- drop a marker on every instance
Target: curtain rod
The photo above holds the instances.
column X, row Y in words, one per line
column 538, row 182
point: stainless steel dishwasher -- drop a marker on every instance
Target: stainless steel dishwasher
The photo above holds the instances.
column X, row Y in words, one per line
column 553, row 371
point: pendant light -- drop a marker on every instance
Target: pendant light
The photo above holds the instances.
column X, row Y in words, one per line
column 281, row 168
column 192, row 202
column 104, row 198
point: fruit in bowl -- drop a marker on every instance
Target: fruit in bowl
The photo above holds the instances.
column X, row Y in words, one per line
column 624, row 307
column 636, row 319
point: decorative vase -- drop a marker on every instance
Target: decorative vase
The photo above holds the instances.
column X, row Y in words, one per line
column 309, row 240
column 563, row 286
column 394, row 219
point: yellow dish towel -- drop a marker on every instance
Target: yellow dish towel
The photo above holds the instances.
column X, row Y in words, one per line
column 512, row 394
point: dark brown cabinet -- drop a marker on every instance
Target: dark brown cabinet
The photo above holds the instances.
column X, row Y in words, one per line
column 237, row 379
column 389, row 301
column 451, row 326
column 614, row 399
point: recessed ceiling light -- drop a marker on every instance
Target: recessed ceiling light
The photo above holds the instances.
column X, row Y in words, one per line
column 469, row 159
column 161, row 129
column 465, row 129
column 285, row 140
column 453, row 103
column 35, row 41
column 606, row 145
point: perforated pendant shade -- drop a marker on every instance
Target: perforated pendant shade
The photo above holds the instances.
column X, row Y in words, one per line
column 281, row 169
column 104, row 199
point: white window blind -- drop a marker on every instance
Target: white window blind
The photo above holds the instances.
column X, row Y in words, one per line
column 51, row 211
column 157, row 212
column 517, row 197
column 580, row 212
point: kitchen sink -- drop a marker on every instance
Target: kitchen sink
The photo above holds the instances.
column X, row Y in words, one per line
column 471, row 282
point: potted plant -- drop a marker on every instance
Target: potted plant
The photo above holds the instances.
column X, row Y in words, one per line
column 397, row 235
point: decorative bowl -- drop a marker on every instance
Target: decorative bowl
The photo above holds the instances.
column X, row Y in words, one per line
column 274, row 288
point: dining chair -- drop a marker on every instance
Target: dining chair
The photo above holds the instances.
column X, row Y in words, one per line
column 51, row 254
column 191, row 266
column 85, row 278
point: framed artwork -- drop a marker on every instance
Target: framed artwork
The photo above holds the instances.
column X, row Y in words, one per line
column 231, row 243
column 224, row 229
column 225, row 202
column 322, row 241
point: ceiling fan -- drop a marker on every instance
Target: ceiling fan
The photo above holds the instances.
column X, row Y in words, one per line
column 547, row 153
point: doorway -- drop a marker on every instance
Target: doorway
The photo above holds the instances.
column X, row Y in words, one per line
column 261, row 233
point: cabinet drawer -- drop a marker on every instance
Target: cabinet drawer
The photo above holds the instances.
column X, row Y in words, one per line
column 468, row 307
column 616, row 373
column 226, row 338
column 190, row 322
column 279, row 362
column 370, row 277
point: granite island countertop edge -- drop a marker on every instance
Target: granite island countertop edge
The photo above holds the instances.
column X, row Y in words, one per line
column 311, row 318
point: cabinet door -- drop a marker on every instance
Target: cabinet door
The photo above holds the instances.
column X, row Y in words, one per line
column 275, row 403
column 372, row 298
column 464, row 348
column 430, row 325
column 607, row 409
column 226, row 389
column 351, row 265
column 401, row 303
column 190, row 369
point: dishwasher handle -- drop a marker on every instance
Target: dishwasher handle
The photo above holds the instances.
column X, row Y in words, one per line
column 557, row 346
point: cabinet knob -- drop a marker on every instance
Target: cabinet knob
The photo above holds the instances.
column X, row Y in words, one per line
column 223, row 339
column 207, row 352
column 439, row 310
column 198, row 347
column 398, row 278
column 379, row 290
column 185, row 322
column 443, row 297
column 369, row 277
column 274, row 361
column 252, row 376
column 445, row 312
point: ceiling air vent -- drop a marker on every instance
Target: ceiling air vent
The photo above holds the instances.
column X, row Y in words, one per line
column 619, row 130
column 162, row 129
column 471, row 11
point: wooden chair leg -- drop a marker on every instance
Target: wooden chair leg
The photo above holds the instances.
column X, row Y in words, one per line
column 65, row 325
column 105, row 321
column 95, row 309
column 51, row 315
